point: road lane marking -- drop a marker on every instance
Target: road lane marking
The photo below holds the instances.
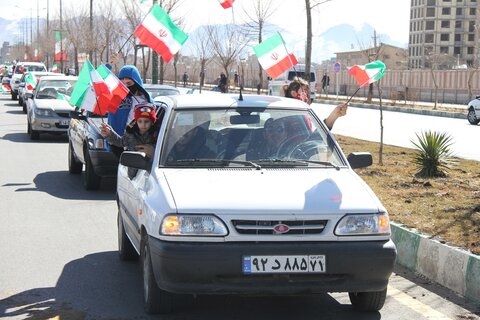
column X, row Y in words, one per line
column 415, row 305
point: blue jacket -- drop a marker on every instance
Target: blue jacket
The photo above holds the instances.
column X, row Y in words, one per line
column 118, row 120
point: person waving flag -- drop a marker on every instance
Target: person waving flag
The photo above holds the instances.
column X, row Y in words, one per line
column 274, row 57
column 158, row 32
column 368, row 73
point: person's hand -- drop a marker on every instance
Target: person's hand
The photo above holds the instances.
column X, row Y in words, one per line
column 341, row 110
column 105, row 130
column 147, row 148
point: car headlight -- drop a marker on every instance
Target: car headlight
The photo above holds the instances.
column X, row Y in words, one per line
column 43, row 112
column 363, row 224
column 192, row 225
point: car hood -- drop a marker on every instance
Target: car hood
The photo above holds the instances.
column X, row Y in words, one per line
column 53, row 104
column 273, row 191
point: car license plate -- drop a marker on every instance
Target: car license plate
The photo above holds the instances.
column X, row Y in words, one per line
column 64, row 122
column 284, row 264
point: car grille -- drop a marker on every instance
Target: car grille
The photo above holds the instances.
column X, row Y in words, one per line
column 63, row 114
column 267, row 227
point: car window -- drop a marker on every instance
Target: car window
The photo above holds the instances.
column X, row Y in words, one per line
column 161, row 92
column 55, row 89
column 35, row 68
column 270, row 136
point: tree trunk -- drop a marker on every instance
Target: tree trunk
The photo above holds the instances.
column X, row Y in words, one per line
column 380, row 150
column 308, row 48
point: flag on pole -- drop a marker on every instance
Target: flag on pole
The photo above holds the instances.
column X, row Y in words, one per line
column 30, row 82
column 54, row 67
column 60, row 54
column 88, row 88
column 116, row 87
column 226, row 3
column 274, row 57
column 368, row 73
column 158, row 32
column 5, row 88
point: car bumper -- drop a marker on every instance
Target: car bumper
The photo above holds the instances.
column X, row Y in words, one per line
column 50, row 124
column 105, row 163
column 216, row 268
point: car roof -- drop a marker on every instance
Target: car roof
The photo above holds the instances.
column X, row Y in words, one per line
column 231, row 100
column 60, row 77
column 44, row 73
column 159, row 86
column 30, row 63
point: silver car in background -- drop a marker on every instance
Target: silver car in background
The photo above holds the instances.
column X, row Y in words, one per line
column 49, row 110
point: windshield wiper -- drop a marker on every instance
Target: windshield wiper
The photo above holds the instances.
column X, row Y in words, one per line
column 300, row 161
column 222, row 161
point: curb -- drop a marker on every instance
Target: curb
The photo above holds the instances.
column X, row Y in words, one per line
column 450, row 267
column 426, row 112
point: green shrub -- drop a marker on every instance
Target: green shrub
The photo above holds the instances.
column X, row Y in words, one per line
column 433, row 155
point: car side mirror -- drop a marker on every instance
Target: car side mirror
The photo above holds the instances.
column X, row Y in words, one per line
column 22, row 84
column 360, row 159
column 137, row 160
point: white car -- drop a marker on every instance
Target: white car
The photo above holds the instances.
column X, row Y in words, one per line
column 48, row 111
column 20, row 69
column 250, row 195
column 473, row 115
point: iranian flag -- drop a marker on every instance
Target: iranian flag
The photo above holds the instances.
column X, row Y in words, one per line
column 5, row 88
column 30, row 82
column 89, row 87
column 226, row 3
column 273, row 56
column 118, row 91
column 60, row 54
column 54, row 68
column 368, row 73
column 158, row 32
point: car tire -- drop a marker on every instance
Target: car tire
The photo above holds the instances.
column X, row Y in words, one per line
column 91, row 180
column 74, row 166
column 20, row 101
column 126, row 251
column 34, row 134
column 24, row 107
column 472, row 117
column 155, row 300
column 14, row 96
column 368, row 301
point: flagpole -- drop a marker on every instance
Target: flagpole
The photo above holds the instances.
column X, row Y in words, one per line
column 360, row 88
column 288, row 54
column 123, row 45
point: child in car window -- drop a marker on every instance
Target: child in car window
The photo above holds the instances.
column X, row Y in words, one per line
column 143, row 135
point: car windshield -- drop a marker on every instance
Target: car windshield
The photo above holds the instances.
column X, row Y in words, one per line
column 55, row 89
column 161, row 92
column 247, row 137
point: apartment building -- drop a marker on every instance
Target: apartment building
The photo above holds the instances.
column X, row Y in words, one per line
column 443, row 29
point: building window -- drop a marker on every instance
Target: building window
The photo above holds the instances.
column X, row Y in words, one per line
column 430, row 12
column 430, row 25
column 472, row 11
column 457, row 50
column 429, row 38
column 431, row 3
column 458, row 37
column 458, row 24
column 459, row 11
column 471, row 26
column 444, row 37
column 470, row 50
column 471, row 37
column 445, row 24
column 444, row 50
column 446, row 11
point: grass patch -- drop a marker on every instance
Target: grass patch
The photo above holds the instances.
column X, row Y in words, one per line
column 446, row 209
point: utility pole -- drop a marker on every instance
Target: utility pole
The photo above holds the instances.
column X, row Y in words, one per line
column 90, row 54
column 154, row 62
column 48, row 34
column 61, row 40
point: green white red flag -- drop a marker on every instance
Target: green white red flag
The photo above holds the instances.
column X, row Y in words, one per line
column 5, row 88
column 118, row 91
column 89, row 87
column 30, row 82
column 54, row 68
column 226, row 3
column 274, row 57
column 368, row 73
column 60, row 54
column 158, row 32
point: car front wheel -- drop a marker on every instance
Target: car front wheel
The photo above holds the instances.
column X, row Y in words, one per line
column 472, row 117
column 14, row 95
column 368, row 301
column 74, row 166
column 34, row 134
column 91, row 180
column 156, row 300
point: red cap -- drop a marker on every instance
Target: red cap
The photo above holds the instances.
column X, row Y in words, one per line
column 146, row 111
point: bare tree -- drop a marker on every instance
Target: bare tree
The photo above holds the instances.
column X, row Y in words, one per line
column 203, row 48
column 437, row 61
column 309, row 6
column 371, row 53
column 109, row 27
column 262, row 10
column 131, row 11
column 227, row 44
column 76, row 19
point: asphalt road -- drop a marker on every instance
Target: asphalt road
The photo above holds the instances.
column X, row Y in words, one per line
column 58, row 254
